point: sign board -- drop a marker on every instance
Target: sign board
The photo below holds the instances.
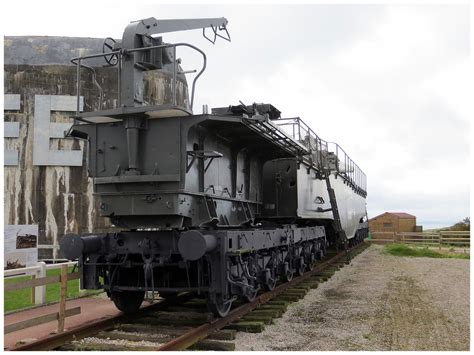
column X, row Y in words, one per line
column 21, row 246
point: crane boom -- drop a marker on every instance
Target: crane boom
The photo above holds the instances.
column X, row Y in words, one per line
column 154, row 26
column 150, row 26
column 138, row 35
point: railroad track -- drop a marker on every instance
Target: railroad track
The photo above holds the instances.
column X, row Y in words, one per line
column 185, row 322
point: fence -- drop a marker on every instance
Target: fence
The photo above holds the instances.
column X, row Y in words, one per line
column 439, row 239
column 39, row 281
column 38, row 294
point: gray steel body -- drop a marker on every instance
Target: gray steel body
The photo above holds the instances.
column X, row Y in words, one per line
column 188, row 190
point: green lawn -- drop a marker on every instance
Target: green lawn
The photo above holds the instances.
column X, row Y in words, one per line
column 405, row 250
column 19, row 299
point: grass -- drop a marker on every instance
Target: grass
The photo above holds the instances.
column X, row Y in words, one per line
column 19, row 299
column 405, row 250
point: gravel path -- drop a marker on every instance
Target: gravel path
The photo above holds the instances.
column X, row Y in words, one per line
column 378, row 302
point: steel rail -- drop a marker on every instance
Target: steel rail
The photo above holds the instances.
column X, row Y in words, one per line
column 185, row 340
column 189, row 338
column 56, row 340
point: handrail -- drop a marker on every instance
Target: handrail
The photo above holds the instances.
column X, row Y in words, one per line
column 302, row 133
column 123, row 52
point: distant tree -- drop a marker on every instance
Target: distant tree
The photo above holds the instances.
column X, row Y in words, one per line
column 464, row 225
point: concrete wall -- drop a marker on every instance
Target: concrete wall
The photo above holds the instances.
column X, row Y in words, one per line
column 58, row 198
column 45, row 180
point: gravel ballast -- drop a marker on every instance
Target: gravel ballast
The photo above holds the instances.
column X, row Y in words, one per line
column 378, row 302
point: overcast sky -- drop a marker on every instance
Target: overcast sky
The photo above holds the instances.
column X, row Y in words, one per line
column 388, row 83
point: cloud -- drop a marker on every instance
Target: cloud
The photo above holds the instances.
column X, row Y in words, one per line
column 395, row 97
column 451, row 85
column 389, row 83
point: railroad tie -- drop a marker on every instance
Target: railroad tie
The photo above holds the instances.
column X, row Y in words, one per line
column 223, row 334
column 257, row 318
column 289, row 298
column 247, row 327
column 280, row 305
column 268, row 312
column 96, row 346
column 213, row 345
column 145, row 329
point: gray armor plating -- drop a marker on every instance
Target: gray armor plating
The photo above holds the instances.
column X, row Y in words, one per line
column 222, row 204
column 245, row 259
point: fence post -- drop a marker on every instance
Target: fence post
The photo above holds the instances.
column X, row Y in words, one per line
column 33, row 290
column 440, row 241
column 40, row 291
column 62, row 298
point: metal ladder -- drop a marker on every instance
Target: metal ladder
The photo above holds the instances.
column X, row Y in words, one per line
column 274, row 134
column 341, row 237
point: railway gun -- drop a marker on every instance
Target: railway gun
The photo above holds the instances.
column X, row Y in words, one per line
column 223, row 204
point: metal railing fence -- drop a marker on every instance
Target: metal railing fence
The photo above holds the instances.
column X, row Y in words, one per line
column 324, row 154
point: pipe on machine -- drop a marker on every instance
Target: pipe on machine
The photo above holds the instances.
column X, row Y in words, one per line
column 72, row 246
column 193, row 245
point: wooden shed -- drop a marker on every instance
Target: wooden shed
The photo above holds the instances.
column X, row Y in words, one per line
column 395, row 222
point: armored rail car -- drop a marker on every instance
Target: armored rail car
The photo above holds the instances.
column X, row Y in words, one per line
column 223, row 204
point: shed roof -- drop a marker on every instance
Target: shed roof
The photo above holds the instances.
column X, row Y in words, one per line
column 398, row 214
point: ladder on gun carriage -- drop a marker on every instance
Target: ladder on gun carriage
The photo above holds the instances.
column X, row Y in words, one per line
column 340, row 233
column 273, row 133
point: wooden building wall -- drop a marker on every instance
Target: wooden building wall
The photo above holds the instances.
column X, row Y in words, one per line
column 392, row 223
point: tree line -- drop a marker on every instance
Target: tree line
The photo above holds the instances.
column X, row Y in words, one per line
column 464, row 225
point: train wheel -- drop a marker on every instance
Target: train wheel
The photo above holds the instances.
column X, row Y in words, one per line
column 310, row 262
column 301, row 269
column 270, row 279
column 300, row 266
column 219, row 308
column 250, row 291
column 321, row 254
column 251, row 296
column 270, row 284
column 128, row 301
column 310, row 257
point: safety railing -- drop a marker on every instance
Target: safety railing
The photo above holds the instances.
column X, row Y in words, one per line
column 347, row 167
column 79, row 62
column 324, row 154
column 300, row 132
